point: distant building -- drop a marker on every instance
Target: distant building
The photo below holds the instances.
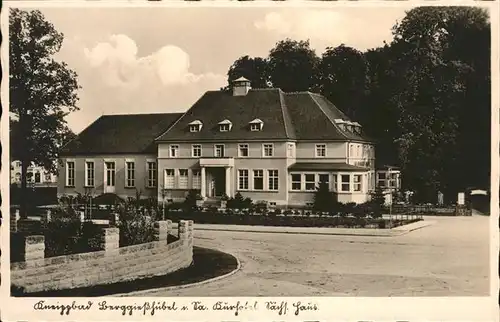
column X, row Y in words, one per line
column 263, row 143
column 37, row 176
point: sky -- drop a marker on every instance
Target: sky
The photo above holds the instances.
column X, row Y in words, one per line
column 160, row 60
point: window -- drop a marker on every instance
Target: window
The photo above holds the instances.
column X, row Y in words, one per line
column 130, row 174
column 219, row 150
column 47, row 177
column 381, row 179
column 38, row 177
column 296, row 181
column 320, row 150
column 254, row 127
column 18, row 164
column 243, row 150
column 174, row 151
column 183, row 178
column 258, row 179
column 243, row 179
column 290, row 149
column 169, row 178
column 196, row 150
column 335, row 182
column 195, row 126
column 196, row 179
column 110, row 173
column 273, row 179
column 381, row 176
column 345, row 182
column 310, row 182
column 325, row 178
column 89, row 173
column 357, row 182
column 151, row 174
column 268, row 150
column 70, row 174
column 224, row 127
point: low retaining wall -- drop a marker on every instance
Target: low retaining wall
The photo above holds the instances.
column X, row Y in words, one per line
column 113, row 264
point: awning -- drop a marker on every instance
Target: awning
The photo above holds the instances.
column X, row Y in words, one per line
column 479, row 192
column 323, row 166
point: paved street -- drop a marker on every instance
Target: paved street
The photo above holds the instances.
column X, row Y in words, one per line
column 449, row 258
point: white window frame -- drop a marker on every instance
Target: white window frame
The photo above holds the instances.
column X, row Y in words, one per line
column 261, row 176
column 357, row 185
column 314, row 181
column 152, row 173
column 295, row 181
column 320, row 147
column 171, row 148
column 87, row 181
column 247, row 177
column 224, row 127
column 129, row 182
column 335, row 178
column 167, row 176
column 223, row 150
column 70, row 180
column 183, row 182
column 290, row 148
column 270, row 186
column 342, row 183
column 240, row 145
column 264, row 150
column 196, row 179
column 106, row 182
column 195, row 147
column 318, row 179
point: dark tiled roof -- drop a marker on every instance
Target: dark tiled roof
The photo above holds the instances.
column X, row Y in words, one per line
column 323, row 166
column 216, row 106
column 121, row 134
column 295, row 116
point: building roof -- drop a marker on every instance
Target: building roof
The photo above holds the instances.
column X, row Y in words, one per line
column 285, row 116
column 121, row 134
column 324, row 166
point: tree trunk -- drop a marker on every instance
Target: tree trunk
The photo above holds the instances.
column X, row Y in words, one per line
column 23, row 200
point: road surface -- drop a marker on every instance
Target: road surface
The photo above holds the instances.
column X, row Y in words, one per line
column 449, row 258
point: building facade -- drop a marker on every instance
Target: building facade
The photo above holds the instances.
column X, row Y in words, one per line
column 263, row 143
column 37, row 176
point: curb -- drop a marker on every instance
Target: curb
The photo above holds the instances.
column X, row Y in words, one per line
column 298, row 232
column 178, row 287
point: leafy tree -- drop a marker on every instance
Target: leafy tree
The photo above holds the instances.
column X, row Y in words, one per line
column 256, row 70
column 343, row 78
column 324, row 199
column 42, row 91
column 293, row 65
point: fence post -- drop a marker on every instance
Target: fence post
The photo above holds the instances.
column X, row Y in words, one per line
column 14, row 217
column 161, row 229
column 45, row 218
column 110, row 239
column 34, row 248
column 183, row 229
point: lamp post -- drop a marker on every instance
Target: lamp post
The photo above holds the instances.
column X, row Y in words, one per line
column 390, row 195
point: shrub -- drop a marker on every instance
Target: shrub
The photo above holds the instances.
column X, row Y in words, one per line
column 324, row 199
column 191, row 198
column 136, row 227
column 238, row 202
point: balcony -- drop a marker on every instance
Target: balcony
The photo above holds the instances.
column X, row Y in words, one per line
column 217, row 162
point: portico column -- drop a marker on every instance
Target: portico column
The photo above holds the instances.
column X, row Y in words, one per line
column 228, row 182
column 203, row 188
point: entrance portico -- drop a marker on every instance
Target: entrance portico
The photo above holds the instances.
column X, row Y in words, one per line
column 216, row 175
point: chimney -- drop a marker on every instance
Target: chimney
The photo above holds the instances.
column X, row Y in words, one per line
column 241, row 86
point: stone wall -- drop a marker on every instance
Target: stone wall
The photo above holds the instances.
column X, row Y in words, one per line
column 112, row 264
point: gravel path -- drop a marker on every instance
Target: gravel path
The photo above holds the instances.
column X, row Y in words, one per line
column 448, row 258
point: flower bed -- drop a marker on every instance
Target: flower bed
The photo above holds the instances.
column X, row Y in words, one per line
column 228, row 218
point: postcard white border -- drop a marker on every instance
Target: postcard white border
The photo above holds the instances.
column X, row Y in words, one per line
column 331, row 308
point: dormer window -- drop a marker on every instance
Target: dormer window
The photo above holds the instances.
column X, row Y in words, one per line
column 195, row 126
column 357, row 127
column 225, row 126
column 256, row 125
column 341, row 124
